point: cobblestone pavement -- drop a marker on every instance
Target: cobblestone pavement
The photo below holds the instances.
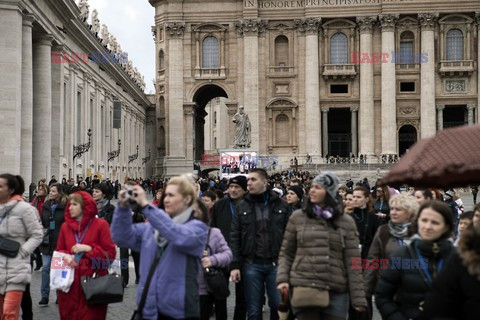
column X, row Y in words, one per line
column 124, row 310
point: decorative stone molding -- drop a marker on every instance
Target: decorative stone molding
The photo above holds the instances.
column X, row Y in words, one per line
column 388, row 21
column 354, row 109
column 471, row 107
column 28, row 19
column 250, row 27
column 325, row 109
column 189, row 109
column 412, row 122
column 365, row 24
column 455, row 86
column 308, row 26
column 281, row 26
column 440, row 107
column 477, row 19
column 408, row 111
column 408, row 23
column 428, row 20
column 175, row 29
column 43, row 39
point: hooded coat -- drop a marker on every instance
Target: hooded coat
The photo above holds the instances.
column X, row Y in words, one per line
column 21, row 225
column 455, row 292
column 72, row 305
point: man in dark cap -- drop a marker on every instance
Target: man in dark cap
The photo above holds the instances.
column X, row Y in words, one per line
column 223, row 211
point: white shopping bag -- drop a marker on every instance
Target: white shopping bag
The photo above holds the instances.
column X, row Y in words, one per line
column 61, row 275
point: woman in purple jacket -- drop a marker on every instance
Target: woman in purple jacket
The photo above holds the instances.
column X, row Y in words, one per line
column 173, row 291
column 216, row 255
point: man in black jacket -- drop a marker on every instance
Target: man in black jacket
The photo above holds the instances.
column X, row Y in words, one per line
column 223, row 211
column 257, row 233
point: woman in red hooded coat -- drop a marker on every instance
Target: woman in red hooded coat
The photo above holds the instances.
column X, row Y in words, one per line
column 83, row 235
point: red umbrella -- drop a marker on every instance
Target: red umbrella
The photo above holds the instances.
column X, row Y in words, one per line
column 449, row 159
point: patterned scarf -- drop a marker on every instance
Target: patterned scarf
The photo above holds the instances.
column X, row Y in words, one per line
column 398, row 231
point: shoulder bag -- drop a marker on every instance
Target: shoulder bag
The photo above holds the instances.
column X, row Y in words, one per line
column 103, row 290
column 8, row 248
column 215, row 278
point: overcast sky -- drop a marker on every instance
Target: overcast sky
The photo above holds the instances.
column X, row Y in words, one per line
column 130, row 22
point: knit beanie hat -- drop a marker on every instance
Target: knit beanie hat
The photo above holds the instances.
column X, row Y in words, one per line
column 298, row 191
column 329, row 181
column 240, row 180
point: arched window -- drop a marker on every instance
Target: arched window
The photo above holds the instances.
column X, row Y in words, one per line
column 454, row 44
column 282, row 131
column 210, row 53
column 406, row 47
column 339, row 49
column 281, row 51
column 161, row 60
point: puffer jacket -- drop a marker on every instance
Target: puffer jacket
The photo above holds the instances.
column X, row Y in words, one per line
column 400, row 292
column 455, row 292
column 318, row 253
column 243, row 233
column 219, row 253
column 22, row 225
column 383, row 246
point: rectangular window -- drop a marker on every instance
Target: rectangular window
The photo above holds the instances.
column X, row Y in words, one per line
column 406, row 52
column 339, row 88
column 407, row 86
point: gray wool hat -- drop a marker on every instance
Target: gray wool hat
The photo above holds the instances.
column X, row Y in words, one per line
column 329, row 181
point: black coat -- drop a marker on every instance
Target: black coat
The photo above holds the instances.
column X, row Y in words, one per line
column 400, row 292
column 455, row 292
column 107, row 213
column 243, row 233
column 367, row 225
column 59, row 218
column 222, row 217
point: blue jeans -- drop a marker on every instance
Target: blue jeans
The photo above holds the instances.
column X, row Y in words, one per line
column 255, row 278
column 45, row 286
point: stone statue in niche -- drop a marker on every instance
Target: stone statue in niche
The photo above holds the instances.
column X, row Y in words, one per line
column 243, row 130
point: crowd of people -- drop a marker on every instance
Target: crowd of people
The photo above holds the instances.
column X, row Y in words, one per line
column 307, row 246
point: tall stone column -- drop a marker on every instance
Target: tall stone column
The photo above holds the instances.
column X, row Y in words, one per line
column 477, row 17
column 354, row 130
column 367, row 119
column 176, row 145
column 325, row 130
column 11, row 49
column 27, row 101
column 440, row 108
column 470, row 109
column 57, row 114
column 42, row 106
column 427, row 75
column 250, row 30
column 309, row 27
column 389, row 93
column 189, row 117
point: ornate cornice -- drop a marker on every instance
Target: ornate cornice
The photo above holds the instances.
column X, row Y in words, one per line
column 308, row 25
column 250, row 27
column 388, row 21
column 365, row 24
column 175, row 29
column 428, row 20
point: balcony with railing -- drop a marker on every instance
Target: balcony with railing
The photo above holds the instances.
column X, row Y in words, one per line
column 456, row 67
column 281, row 71
column 407, row 67
column 210, row 73
column 339, row 71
